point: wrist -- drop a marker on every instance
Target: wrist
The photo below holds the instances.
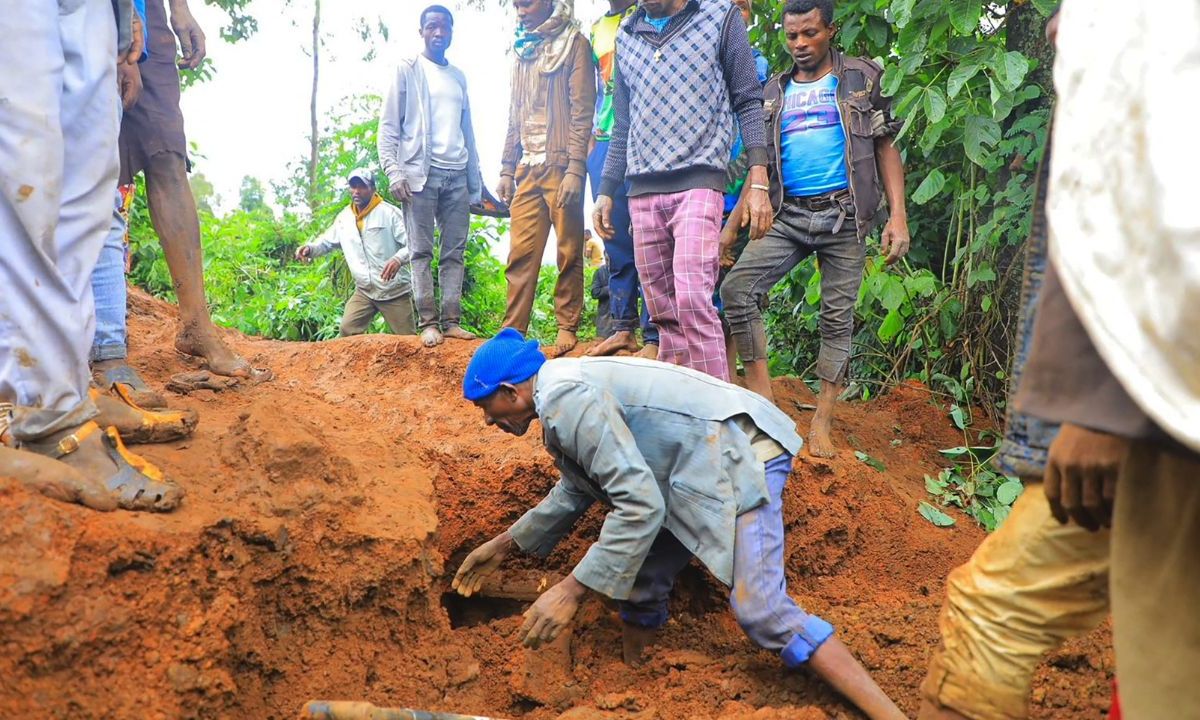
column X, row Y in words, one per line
column 573, row 587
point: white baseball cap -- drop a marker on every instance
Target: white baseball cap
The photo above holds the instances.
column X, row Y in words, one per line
column 363, row 174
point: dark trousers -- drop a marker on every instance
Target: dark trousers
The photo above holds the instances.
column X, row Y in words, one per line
column 623, row 286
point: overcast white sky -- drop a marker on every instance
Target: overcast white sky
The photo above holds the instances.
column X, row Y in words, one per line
column 252, row 117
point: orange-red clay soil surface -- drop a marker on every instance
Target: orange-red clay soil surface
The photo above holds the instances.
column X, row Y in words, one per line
column 328, row 509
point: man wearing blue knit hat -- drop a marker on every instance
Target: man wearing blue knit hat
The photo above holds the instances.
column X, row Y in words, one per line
column 688, row 465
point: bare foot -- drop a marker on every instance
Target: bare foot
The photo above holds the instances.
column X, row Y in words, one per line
column 648, row 351
column 615, row 343
column 215, row 356
column 634, row 641
column 820, row 442
column 457, row 333
column 185, row 383
column 929, row 712
column 565, row 342
column 431, row 336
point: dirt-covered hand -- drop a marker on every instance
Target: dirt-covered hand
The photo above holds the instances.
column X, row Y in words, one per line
column 401, row 191
column 506, row 189
column 602, row 217
column 1081, row 476
column 483, row 561
column 390, row 269
column 137, row 43
column 552, row 612
column 895, row 241
column 570, row 192
column 129, row 84
column 191, row 37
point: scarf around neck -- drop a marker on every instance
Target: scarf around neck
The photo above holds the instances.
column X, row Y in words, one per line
column 548, row 44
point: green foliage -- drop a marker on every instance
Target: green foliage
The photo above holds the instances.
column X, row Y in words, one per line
column 974, row 487
column 974, row 128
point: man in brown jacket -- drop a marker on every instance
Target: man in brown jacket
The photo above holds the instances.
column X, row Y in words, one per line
column 545, row 160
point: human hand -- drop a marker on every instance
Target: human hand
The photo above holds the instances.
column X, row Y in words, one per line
column 1081, row 476
column 304, row 254
column 894, row 242
column 191, row 37
column 758, row 214
column 483, row 561
column 602, row 218
column 506, row 189
column 729, row 236
column 401, row 191
column 570, row 191
column 136, row 46
column 390, row 268
column 552, row 612
column 129, row 83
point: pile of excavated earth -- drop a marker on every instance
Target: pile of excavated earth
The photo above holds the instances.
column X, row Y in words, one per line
column 328, row 509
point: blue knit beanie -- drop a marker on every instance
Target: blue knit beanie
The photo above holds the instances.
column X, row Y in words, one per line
column 506, row 358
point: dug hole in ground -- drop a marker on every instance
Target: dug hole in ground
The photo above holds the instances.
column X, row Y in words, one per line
column 328, row 509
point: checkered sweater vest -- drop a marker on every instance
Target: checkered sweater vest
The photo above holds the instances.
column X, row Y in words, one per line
column 679, row 108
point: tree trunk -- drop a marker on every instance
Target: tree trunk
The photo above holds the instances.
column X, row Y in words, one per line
column 314, row 138
column 1026, row 32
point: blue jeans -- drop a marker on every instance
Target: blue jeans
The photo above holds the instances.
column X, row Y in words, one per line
column 769, row 617
column 623, row 287
column 108, row 288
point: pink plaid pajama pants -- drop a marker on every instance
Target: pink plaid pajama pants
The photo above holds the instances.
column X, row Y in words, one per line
column 675, row 247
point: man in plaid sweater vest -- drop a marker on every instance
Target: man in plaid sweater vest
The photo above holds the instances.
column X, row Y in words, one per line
column 684, row 71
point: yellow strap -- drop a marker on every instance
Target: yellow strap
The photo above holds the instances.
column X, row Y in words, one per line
column 71, row 443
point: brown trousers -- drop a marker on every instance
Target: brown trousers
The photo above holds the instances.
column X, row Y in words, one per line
column 534, row 211
column 360, row 311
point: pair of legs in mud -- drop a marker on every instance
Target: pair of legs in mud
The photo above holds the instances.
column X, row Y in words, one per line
column 760, row 602
column 826, row 228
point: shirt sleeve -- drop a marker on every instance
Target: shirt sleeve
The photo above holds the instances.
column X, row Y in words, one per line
column 391, row 119
column 586, row 424
column 543, row 526
column 745, row 91
column 325, row 242
column 582, row 87
column 614, row 163
column 400, row 233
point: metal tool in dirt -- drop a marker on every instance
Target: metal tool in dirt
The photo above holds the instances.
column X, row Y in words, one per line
column 354, row 710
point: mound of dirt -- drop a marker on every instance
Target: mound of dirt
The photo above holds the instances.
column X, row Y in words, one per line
column 327, row 509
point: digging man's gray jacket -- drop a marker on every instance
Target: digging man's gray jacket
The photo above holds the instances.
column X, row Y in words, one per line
column 663, row 446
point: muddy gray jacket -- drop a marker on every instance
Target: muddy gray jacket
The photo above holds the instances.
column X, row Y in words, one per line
column 663, row 447
column 405, row 129
column 866, row 115
column 383, row 238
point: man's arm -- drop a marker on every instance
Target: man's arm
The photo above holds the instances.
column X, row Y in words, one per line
column 191, row 37
column 746, row 99
column 400, row 235
column 895, row 240
column 391, row 120
column 324, row 244
column 587, row 426
column 544, row 525
column 582, row 88
column 512, row 139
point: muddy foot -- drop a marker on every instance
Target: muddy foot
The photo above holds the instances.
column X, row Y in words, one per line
column 216, row 357
column 615, row 343
column 565, row 342
column 186, row 383
column 106, row 373
column 457, row 333
column 820, row 444
column 137, row 425
column 55, row 480
column 648, row 351
column 431, row 336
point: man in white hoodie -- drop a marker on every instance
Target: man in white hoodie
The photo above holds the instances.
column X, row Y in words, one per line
column 427, row 148
column 372, row 237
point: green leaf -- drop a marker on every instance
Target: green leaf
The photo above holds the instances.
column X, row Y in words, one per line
column 933, row 487
column 986, row 303
column 891, row 294
column 981, row 273
column 964, row 16
column 909, row 98
column 877, row 31
column 922, row 284
column 929, row 187
column 889, row 83
column 891, row 326
column 999, row 515
column 1046, row 7
column 933, row 515
column 902, row 12
column 1010, row 69
column 865, row 458
column 959, row 77
column 980, row 133
column 935, row 104
column 959, row 417
column 1007, row 493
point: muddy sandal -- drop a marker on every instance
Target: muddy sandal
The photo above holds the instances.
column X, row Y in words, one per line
column 137, row 483
column 137, row 424
column 121, row 379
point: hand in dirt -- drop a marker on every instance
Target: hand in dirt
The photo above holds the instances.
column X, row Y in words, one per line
column 483, row 561
column 1081, row 476
column 390, row 269
column 552, row 612
column 129, row 84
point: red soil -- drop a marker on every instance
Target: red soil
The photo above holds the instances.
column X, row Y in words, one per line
column 327, row 509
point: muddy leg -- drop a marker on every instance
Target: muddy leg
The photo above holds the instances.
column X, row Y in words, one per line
column 820, row 435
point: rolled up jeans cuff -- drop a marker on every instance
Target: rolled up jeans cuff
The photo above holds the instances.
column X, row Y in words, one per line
column 653, row 619
column 99, row 353
column 801, row 647
column 30, row 424
column 832, row 363
column 750, row 337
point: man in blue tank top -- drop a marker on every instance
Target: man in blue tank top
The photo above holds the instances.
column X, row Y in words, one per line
column 834, row 161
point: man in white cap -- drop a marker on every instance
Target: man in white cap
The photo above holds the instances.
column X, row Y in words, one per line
column 372, row 237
